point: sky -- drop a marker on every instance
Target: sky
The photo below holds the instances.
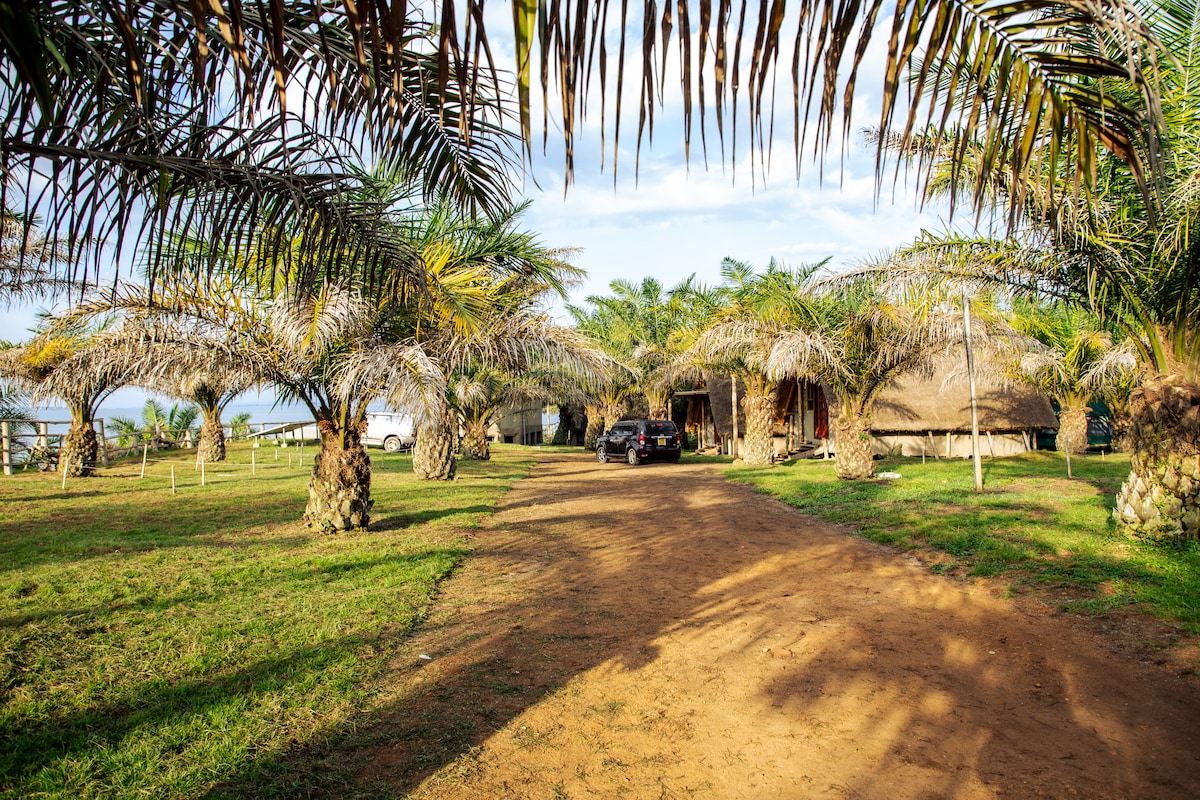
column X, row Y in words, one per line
column 674, row 219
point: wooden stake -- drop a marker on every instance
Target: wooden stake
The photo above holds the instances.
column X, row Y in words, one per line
column 145, row 452
column 103, row 444
column 6, row 447
column 172, row 479
column 66, row 467
column 252, row 462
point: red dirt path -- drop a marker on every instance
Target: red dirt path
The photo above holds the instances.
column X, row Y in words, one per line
column 596, row 646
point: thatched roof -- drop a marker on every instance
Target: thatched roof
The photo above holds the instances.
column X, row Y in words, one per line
column 915, row 403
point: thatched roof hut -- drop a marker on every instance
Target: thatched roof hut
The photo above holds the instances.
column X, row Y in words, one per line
column 914, row 404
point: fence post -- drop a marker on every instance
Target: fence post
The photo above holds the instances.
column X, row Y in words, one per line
column 172, row 479
column 252, row 462
column 6, row 447
column 66, row 467
column 43, row 440
column 103, row 444
column 145, row 452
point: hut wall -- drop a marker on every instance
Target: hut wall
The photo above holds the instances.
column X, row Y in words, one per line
column 1008, row 443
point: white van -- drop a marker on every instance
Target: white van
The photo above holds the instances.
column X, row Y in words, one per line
column 391, row 430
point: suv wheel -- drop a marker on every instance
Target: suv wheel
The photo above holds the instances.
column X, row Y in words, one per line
column 392, row 444
column 601, row 454
column 632, row 457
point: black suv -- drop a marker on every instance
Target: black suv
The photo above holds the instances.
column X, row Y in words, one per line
column 639, row 440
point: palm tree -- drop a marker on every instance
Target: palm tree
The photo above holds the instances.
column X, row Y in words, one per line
column 479, row 309
column 166, row 116
column 1078, row 361
column 477, row 394
column 641, row 325
column 757, row 308
column 161, row 101
column 330, row 351
column 159, row 426
column 78, row 364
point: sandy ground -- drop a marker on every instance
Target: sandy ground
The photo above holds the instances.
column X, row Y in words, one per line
column 656, row 632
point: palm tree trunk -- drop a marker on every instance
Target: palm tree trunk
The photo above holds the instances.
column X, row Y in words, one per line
column 79, row 450
column 760, row 422
column 475, row 445
column 433, row 454
column 339, row 490
column 658, row 403
column 854, row 452
column 1072, row 429
column 212, row 439
column 1161, row 497
column 595, row 427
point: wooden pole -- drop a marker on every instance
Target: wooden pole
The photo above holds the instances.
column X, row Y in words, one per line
column 252, row 462
column 932, row 446
column 971, row 382
column 43, row 440
column 103, row 444
column 1068, row 452
column 6, row 447
column 733, row 390
column 66, row 467
column 172, row 479
column 145, row 452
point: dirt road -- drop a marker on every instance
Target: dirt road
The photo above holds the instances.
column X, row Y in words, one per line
column 655, row 632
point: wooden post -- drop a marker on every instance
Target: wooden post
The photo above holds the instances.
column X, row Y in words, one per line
column 932, row 446
column 172, row 479
column 733, row 389
column 103, row 444
column 145, row 452
column 971, row 382
column 922, row 451
column 949, row 444
column 1068, row 452
column 991, row 446
column 252, row 462
column 6, row 447
column 43, row 440
column 66, row 467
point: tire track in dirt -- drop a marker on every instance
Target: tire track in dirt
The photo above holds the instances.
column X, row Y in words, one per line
column 658, row 632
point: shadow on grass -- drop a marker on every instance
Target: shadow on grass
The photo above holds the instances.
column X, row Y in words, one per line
column 399, row 522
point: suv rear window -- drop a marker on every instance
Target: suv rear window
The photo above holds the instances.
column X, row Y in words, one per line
column 660, row 428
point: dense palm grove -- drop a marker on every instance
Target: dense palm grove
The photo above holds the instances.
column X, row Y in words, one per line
column 323, row 201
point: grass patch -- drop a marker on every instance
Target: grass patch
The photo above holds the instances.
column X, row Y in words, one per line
column 1030, row 526
column 158, row 644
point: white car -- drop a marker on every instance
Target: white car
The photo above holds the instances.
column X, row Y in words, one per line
column 391, row 430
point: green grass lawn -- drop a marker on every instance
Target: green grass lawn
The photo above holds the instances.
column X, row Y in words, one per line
column 1030, row 526
column 156, row 644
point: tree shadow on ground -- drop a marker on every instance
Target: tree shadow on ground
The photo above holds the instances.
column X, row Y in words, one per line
column 896, row 669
